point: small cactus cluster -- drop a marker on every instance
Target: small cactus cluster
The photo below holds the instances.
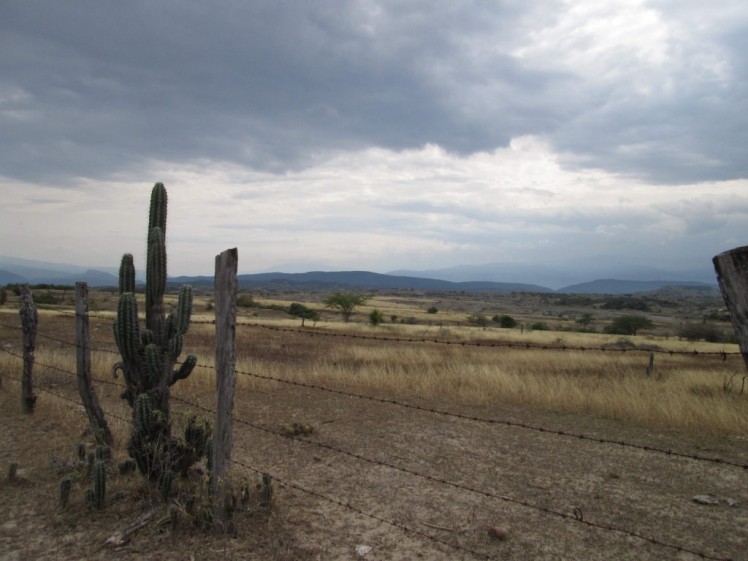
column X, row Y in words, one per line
column 94, row 497
column 12, row 470
column 150, row 356
column 65, row 487
column 265, row 490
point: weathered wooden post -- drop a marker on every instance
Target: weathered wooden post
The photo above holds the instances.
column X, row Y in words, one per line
column 225, row 309
column 29, row 323
column 83, row 354
column 732, row 275
column 651, row 366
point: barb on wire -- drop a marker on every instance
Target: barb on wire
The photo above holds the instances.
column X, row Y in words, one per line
column 462, row 487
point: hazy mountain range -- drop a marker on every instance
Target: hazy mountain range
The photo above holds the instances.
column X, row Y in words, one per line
column 497, row 277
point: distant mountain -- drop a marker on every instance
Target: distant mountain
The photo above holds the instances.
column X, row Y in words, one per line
column 558, row 274
column 491, row 277
column 15, row 270
column 613, row 286
column 321, row 280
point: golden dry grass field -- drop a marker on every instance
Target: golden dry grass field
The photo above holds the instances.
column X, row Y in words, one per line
column 399, row 478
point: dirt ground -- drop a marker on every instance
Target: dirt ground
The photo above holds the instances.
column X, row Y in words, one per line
column 517, row 476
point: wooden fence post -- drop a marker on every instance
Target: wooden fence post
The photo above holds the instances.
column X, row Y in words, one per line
column 29, row 322
column 85, row 388
column 225, row 292
column 732, row 274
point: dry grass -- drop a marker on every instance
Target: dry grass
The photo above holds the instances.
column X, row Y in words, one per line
column 686, row 393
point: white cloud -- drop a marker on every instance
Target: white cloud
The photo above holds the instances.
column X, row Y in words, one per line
column 381, row 210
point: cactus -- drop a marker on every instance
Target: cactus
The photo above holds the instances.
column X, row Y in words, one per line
column 127, row 274
column 12, row 469
column 82, row 452
column 143, row 414
column 90, row 463
column 265, row 490
column 90, row 497
column 103, row 453
column 174, row 517
column 166, row 481
column 151, row 352
column 209, row 454
column 100, row 484
column 65, row 486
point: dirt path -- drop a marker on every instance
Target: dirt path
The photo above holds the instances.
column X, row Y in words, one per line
column 475, row 476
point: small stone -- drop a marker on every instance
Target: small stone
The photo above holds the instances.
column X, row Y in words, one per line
column 706, row 500
column 362, row 550
column 732, row 502
column 498, row 533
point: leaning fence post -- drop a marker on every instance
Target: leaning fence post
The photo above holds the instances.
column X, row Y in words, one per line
column 732, row 275
column 83, row 354
column 225, row 309
column 29, row 322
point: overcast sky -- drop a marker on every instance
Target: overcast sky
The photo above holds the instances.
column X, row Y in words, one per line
column 375, row 135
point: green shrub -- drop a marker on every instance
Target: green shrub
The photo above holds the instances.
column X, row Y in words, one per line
column 376, row 317
column 245, row 301
column 505, row 321
column 478, row 319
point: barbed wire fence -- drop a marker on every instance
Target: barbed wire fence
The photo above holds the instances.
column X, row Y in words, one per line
column 571, row 517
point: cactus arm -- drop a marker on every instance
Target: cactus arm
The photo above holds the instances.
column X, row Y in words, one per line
column 127, row 274
column 184, row 309
column 185, row 370
column 157, row 213
column 155, row 280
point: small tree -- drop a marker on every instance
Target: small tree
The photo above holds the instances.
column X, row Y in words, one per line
column 346, row 304
column 304, row 313
column 432, row 310
column 3, row 296
column 629, row 325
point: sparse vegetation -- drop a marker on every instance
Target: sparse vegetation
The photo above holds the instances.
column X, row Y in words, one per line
column 376, row 317
column 505, row 321
column 629, row 325
column 345, row 303
column 302, row 312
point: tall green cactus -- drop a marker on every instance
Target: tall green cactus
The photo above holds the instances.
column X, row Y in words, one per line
column 150, row 354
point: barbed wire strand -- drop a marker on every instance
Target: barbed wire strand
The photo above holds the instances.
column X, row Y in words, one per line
column 489, row 344
column 502, row 422
column 575, row 516
column 349, row 506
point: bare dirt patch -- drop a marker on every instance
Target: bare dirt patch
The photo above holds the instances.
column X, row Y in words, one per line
column 542, row 489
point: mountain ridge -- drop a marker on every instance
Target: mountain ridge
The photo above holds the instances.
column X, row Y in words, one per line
column 13, row 270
